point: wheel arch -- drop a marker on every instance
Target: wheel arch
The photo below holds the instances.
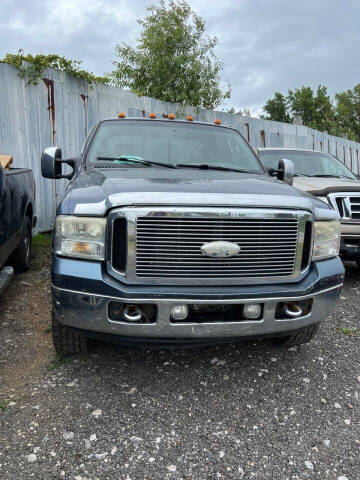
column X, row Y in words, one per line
column 29, row 211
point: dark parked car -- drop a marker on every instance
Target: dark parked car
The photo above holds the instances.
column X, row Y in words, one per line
column 172, row 232
column 17, row 219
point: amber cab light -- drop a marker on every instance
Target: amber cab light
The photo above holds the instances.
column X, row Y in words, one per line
column 121, row 115
column 190, row 118
column 217, row 122
column 152, row 115
column 171, row 116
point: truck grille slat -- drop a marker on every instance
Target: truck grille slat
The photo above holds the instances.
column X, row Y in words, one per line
column 225, row 228
column 201, row 221
column 233, row 264
column 165, row 241
column 192, row 255
column 170, row 247
column 188, row 249
column 237, row 235
column 274, row 273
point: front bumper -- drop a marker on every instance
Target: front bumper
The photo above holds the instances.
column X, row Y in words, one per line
column 82, row 291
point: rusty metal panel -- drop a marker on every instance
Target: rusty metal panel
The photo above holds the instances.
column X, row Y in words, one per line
column 61, row 109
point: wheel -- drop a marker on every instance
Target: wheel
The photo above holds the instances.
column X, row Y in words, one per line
column 21, row 257
column 67, row 340
column 297, row 338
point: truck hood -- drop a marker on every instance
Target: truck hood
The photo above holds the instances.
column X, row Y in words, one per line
column 97, row 191
column 321, row 186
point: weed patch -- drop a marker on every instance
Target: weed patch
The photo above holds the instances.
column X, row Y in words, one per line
column 58, row 361
column 4, row 404
column 350, row 332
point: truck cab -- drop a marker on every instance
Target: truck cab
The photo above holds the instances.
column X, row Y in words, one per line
column 171, row 232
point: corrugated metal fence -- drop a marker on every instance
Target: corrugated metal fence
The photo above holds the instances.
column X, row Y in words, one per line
column 61, row 109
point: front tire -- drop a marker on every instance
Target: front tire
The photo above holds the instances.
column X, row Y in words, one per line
column 21, row 257
column 297, row 338
column 67, row 340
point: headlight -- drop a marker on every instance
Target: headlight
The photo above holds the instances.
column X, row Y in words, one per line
column 326, row 239
column 82, row 237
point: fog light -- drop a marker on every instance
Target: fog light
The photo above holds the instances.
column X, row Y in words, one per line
column 252, row 310
column 179, row 312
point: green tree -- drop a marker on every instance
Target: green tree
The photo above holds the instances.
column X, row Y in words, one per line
column 348, row 112
column 174, row 61
column 277, row 109
column 315, row 108
column 324, row 110
column 235, row 112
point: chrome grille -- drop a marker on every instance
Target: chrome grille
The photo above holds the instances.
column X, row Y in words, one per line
column 355, row 208
column 170, row 246
column 347, row 204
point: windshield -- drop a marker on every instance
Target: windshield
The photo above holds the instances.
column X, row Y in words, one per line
column 310, row 164
column 171, row 143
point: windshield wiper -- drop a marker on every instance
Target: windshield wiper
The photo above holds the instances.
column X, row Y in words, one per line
column 302, row 175
column 331, row 176
column 205, row 166
column 134, row 159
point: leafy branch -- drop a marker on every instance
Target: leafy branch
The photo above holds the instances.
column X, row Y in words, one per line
column 32, row 67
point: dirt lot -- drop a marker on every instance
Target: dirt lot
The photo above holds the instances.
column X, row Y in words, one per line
column 232, row 412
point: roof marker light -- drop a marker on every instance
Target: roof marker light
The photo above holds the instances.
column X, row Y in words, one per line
column 189, row 118
column 121, row 115
column 171, row 116
column 217, row 122
column 152, row 115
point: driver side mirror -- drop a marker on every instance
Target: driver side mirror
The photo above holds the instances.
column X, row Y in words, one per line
column 51, row 164
column 286, row 171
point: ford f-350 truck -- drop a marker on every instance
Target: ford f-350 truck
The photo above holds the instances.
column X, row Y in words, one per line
column 171, row 232
column 17, row 219
column 326, row 177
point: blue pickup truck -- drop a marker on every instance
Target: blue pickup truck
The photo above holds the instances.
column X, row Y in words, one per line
column 17, row 220
column 171, row 232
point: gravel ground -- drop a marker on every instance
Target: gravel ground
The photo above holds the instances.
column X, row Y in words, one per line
column 243, row 411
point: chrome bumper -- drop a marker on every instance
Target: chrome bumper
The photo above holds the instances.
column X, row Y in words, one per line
column 90, row 312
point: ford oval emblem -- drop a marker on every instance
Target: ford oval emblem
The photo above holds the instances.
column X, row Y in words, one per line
column 220, row 249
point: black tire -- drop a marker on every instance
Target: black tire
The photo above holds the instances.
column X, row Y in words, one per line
column 21, row 257
column 297, row 338
column 67, row 341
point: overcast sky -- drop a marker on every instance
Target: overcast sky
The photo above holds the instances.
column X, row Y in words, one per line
column 265, row 45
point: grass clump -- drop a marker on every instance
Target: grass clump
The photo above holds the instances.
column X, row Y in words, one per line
column 58, row 361
column 349, row 331
column 4, row 404
column 42, row 240
column 41, row 251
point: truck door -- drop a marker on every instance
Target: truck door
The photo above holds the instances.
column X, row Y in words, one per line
column 16, row 187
